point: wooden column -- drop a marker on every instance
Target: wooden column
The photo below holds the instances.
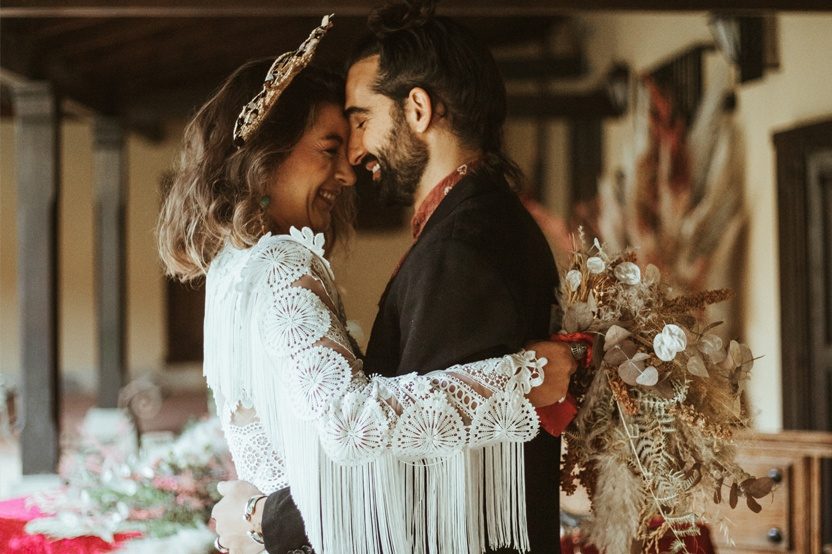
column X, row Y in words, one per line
column 110, row 257
column 36, row 122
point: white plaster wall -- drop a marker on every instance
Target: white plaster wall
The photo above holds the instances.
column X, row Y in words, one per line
column 796, row 93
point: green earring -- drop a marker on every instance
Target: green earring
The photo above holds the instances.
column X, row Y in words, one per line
column 264, row 201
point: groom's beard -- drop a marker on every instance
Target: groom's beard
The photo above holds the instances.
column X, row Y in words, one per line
column 402, row 160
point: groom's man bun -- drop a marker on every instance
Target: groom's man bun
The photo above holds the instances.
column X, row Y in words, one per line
column 418, row 48
column 398, row 16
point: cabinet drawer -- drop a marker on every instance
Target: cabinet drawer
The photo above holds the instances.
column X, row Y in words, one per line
column 771, row 529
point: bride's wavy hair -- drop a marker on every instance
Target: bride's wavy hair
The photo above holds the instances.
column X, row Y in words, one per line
column 214, row 195
column 417, row 48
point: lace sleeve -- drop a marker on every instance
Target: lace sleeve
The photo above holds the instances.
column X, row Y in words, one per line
column 360, row 453
column 415, row 416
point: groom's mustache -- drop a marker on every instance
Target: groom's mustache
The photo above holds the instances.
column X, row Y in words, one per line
column 371, row 164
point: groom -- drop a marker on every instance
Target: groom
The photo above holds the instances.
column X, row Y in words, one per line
column 426, row 106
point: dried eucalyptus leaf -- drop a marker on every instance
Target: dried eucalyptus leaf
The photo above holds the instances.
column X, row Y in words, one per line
column 746, row 358
column 640, row 356
column 753, row 505
column 648, row 377
column 629, row 372
column 734, row 495
column 696, row 366
column 759, row 487
column 578, row 317
column 734, row 354
column 615, row 335
column 615, row 357
column 652, row 275
column 708, row 344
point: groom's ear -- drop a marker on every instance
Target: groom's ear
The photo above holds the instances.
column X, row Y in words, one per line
column 419, row 109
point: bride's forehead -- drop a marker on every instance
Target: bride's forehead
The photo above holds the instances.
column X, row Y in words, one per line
column 330, row 122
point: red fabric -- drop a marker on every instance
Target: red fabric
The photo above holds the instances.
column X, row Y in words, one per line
column 557, row 417
column 432, row 201
column 695, row 545
column 437, row 194
column 15, row 540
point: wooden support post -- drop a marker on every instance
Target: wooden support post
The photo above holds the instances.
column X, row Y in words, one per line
column 36, row 120
column 110, row 257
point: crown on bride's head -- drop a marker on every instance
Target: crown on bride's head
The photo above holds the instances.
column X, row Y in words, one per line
column 279, row 76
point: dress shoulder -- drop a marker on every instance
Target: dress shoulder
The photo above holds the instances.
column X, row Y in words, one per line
column 280, row 260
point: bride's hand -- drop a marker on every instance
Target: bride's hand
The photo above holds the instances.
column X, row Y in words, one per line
column 232, row 529
column 559, row 368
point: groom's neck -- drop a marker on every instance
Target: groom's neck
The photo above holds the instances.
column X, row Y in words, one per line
column 445, row 156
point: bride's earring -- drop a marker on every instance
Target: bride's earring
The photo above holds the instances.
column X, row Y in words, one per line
column 264, row 204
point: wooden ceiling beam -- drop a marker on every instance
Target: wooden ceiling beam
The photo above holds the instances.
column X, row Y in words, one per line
column 113, row 34
column 490, row 8
column 155, row 49
column 593, row 104
column 566, row 67
column 49, row 28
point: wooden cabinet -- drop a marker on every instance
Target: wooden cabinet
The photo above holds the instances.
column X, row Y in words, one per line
column 791, row 519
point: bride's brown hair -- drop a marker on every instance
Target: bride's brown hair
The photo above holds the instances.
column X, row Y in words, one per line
column 215, row 193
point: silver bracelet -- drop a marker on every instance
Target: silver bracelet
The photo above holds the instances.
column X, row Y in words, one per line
column 248, row 514
column 256, row 536
column 251, row 506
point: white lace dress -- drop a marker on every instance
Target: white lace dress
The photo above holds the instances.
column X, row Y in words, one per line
column 417, row 463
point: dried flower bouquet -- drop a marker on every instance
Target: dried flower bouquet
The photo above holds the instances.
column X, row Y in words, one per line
column 652, row 440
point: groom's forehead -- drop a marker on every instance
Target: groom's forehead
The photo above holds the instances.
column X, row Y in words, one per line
column 361, row 76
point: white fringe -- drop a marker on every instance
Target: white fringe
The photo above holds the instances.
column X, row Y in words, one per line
column 463, row 503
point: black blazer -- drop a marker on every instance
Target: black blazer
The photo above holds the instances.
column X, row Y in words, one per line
column 479, row 282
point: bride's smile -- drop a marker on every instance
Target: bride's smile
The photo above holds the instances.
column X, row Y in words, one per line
column 306, row 186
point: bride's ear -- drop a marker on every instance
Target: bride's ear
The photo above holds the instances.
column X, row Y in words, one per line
column 418, row 109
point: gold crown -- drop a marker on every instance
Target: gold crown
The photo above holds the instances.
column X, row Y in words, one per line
column 279, row 76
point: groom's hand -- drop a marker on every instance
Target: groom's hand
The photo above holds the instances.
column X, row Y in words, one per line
column 230, row 524
column 559, row 368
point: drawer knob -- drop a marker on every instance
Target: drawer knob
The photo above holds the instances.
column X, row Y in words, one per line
column 775, row 474
column 775, row 535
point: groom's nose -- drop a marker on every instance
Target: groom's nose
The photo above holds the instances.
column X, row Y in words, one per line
column 355, row 147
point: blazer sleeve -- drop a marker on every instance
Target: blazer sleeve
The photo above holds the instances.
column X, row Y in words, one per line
column 282, row 524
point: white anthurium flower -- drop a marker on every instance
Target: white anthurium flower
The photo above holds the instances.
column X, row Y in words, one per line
column 628, row 273
column 573, row 279
column 669, row 342
column 595, row 265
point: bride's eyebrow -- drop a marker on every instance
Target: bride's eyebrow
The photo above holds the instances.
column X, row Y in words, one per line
column 333, row 136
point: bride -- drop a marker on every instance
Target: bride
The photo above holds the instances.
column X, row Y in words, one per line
column 375, row 464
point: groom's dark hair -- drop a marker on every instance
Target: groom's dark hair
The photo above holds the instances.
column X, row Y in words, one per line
column 419, row 49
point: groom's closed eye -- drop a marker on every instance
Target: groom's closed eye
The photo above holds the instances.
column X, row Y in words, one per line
column 357, row 116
